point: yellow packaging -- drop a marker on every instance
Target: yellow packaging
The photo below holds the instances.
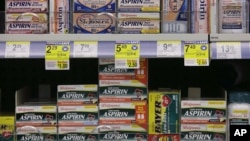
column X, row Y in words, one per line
column 164, row 112
column 7, row 127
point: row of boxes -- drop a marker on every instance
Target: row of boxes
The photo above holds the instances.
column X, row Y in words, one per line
column 203, row 120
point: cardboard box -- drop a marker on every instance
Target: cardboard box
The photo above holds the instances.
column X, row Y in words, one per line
column 94, row 5
column 7, row 128
column 73, row 95
column 23, row 6
column 36, row 116
column 78, row 115
column 164, row 137
column 139, row 5
column 123, row 113
column 164, row 112
column 203, row 111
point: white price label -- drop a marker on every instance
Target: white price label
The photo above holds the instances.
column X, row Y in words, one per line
column 85, row 49
column 127, row 63
column 169, row 49
column 17, row 50
column 57, row 64
column 228, row 50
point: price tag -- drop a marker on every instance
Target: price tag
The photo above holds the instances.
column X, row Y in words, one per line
column 127, row 55
column 228, row 50
column 57, row 56
column 169, row 49
column 85, row 49
column 196, row 54
column 17, row 50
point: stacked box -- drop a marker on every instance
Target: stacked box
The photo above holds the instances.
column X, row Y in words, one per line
column 164, row 117
column 7, row 128
column 203, row 120
column 123, row 96
column 94, row 17
column 26, row 17
column 77, row 111
column 36, row 122
column 138, row 17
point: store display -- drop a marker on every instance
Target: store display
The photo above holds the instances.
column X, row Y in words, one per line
column 200, row 16
column 60, row 18
column 138, row 23
column 94, row 5
column 138, row 5
column 94, row 23
column 7, row 127
column 233, row 16
column 174, row 16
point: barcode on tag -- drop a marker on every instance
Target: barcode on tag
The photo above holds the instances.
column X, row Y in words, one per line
column 120, row 64
column 57, row 65
column 50, row 64
column 190, row 62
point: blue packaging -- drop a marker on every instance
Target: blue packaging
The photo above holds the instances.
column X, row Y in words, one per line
column 94, row 5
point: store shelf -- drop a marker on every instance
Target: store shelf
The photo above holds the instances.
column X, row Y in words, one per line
column 106, row 42
column 229, row 37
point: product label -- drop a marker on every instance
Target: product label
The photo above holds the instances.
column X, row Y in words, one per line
column 137, row 23
column 175, row 16
column 94, row 5
column 22, row 6
column 77, row 115
column 232, row 14
column 59, row 17
column 139, row 5
column 37, row 137
column 77, row 95
column 36, row 119
column 203, row 112
column 93, row 23
column 239, row 116
column 26, row 28
column 122, row 94
column 164, row 113
column 123, row 113
column 39, row 17
column 36, row 134
column 78, row 137
column 7, row 127
column 202, row 136
column 200, row 16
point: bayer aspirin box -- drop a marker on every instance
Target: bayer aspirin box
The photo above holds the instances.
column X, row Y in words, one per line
column 203, row 111
column 78, row 115
column 139, row 5
column 23, row 6
column 76, row 95
column 26, row 24
column 94, row 5
column 94, row 23
column 130, row 132
column 123, row 113
column 36, row 116
column 77, row 133
column 59, row 16
column 138, row 23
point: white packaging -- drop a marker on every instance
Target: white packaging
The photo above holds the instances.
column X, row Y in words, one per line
column 23, row 6
column 233, row 16
column 59, row 16
column 239, row 113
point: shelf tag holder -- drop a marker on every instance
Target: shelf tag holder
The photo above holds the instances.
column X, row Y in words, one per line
column 196, row 53
column 127, row 55
column 57, row 55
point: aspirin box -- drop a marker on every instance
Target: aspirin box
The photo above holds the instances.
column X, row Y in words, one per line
column 94, row 5
column 22, row 6
column 138, row 23
column 139, row 5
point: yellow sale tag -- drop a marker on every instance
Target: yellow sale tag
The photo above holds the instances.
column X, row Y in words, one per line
column 127, row 55
column 57, row 56
column 196, row 54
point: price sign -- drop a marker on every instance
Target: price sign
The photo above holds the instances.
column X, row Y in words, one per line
column 169, row 49
column 196, row 54
column 17, row 50
column 85, row 49
column 127, row 55
column 57, row 56
column 228, row 50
